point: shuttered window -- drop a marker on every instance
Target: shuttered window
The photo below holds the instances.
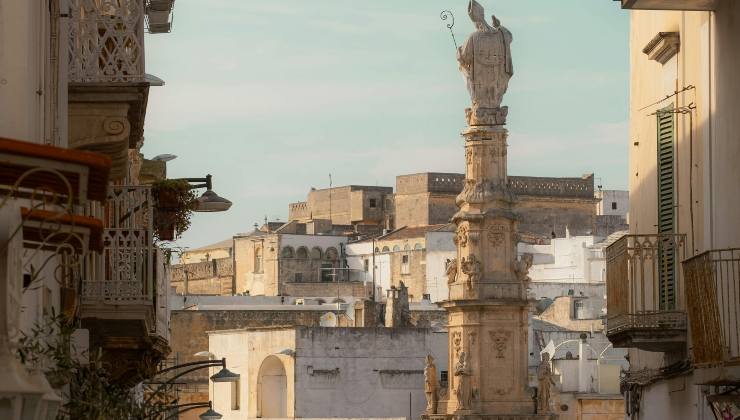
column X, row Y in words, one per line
column 666, row 209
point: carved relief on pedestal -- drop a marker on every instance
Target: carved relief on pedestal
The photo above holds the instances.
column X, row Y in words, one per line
column 461, row 238
column 500, row 339
column 496, row 235
column 457, row 341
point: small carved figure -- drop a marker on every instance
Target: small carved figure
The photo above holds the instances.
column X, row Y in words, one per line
column 462, row 382
column 472, row 268
column 522, row 266
column 430, row 385
column 451, row 270
column 545, row 384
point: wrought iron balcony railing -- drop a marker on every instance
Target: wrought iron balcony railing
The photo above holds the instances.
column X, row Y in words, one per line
column 645, row 304
column 106, row 41
column 713, row 305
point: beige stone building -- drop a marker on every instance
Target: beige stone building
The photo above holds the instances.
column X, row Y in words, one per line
column 348, row 205
column 673, row 281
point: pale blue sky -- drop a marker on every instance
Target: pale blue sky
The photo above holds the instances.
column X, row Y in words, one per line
column 272, row 96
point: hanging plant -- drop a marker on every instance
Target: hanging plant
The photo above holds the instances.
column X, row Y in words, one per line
column 175, row 203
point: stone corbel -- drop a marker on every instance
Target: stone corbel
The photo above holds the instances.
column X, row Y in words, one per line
column 102, row 128
column 663, row 46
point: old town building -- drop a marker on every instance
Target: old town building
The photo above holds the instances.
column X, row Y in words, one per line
column 673, row 280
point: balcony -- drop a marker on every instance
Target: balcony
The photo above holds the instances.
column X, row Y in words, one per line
column 669, row 4
column 108, row 88
column 124, row 297
column 712, row 288
column 645, row 306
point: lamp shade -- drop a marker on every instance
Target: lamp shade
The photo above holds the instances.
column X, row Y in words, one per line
column 210, row 415
column 225, row 375
column 209, row 201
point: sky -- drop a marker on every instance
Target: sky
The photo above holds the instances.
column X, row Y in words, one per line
column 270, row 97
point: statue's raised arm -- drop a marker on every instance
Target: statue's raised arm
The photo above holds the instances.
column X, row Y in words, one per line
column 485, row 62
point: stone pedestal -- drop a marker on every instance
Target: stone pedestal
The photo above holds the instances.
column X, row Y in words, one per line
column 487, row 307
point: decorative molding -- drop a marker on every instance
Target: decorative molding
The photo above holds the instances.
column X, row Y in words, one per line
column 663, row 46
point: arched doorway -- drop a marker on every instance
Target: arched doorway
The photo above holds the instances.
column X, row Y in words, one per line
column 272, row 389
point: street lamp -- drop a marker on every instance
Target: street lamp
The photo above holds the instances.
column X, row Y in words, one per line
column 209, row 201
column 210, row 414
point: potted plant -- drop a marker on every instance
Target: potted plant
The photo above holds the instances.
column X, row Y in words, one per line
column 175, row 202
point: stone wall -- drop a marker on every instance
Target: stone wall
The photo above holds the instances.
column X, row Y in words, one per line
column 214, row 277
column 414, row 277
column 188, row 328
column 346, row 205
column 324, row 289
column 544, row 204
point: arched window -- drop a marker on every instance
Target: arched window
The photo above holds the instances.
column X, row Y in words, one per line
column 287, row 252
column 331, row 254
column 386, row 249
column 272, row 389
column 417, row 247
column 396, row 248
column 315, row 253
column 258, row 259
column 302, row 253
column 377, row 250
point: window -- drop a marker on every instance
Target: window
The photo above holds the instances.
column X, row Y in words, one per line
column 443, row 379
column 287, row 252
column 302, row 253
column 373, row 203
column 257, row 259
column 404, row 264
column 386, row 249
column 666, row 201
column 396, row 248
column 614, row 205
column 366, row 265
column 315, row 253
column 418, row 247
column 579, row 310
column 235, row 395
column 327, row 272
column 331, row 254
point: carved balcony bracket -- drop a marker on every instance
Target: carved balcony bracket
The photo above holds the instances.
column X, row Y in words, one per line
column 103, row 128
column 663, row 47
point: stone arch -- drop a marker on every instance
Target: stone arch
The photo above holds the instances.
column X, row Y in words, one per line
column 418, row 247
column 316, row 253
column 302, row 253
column 331, row 254
column 377, row 250
column 272, row 389
column 287, row 252
column 386, row 249
column 396, row 248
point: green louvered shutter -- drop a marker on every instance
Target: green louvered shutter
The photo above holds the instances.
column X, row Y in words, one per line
column 666, row 209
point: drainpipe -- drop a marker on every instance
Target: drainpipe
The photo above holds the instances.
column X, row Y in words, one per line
column 582, row 383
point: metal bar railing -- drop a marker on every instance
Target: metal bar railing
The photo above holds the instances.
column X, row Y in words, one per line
column 643, row 286
column 713, row 305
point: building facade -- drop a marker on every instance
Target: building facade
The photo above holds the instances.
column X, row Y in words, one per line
column 671, row 281
column 76, row 223
column 295, row 372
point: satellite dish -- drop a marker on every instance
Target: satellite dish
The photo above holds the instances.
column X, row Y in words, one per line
column 164, row 157
column 328, row 320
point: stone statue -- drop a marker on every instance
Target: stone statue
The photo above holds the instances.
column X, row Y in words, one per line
column 462, row 382
column 485, row 62
column 522, row 266
column 544, row 384
column 472, row 268
column 451, row 270
column 430, row 384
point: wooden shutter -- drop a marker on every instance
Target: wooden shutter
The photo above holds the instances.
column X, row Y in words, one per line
column 666, row 208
